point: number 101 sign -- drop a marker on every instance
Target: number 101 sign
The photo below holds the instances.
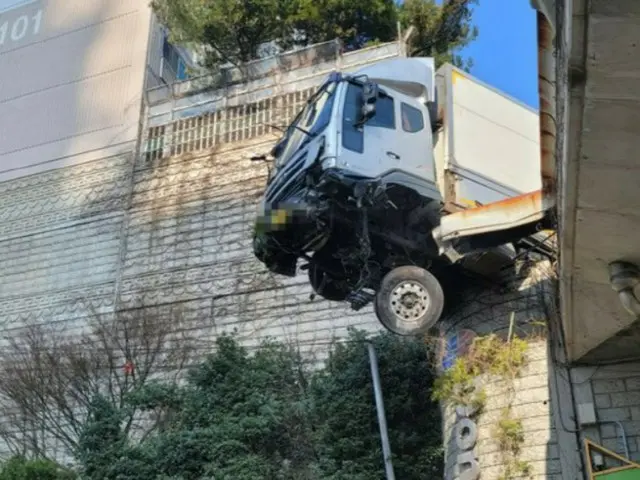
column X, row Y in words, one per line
column 16, row 27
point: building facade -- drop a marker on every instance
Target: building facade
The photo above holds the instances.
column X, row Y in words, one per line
column 97, row 221
column 122, row 191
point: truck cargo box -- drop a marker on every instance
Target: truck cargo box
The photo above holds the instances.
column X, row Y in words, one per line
column 488, row 146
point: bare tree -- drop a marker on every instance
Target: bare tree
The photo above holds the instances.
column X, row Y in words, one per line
column 49, row 376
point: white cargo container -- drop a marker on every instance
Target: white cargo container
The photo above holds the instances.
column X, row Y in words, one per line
column 488, row 147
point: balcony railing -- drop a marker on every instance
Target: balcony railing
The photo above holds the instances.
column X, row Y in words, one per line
column 239, row 104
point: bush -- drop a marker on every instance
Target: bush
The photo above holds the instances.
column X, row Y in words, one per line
column 345, row 412
column 20, row 468
column 266, row 415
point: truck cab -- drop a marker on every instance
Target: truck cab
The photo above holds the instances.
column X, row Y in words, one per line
column 354, row 193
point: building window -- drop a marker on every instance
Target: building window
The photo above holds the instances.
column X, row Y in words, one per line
column 181, row 72
column 385, row 117
column 412, row 118
column 174, row 62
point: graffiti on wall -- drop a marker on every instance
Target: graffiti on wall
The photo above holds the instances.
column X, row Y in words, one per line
column 453, row 345
column 466, row 432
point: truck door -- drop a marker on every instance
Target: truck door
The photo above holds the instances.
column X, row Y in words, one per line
column 368, row 150
column 414, row 143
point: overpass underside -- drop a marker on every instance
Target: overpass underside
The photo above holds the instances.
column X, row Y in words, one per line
column 599, row 201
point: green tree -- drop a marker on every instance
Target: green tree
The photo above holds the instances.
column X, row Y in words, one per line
column 239, row 416
column 441, row 31
column 20, row 468
column 346, row 415
column 266, row 415
column 102, row 438
column 234, row 32
column 355, row 22
column 231, row 32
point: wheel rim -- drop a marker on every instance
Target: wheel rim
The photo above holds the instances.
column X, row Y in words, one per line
column 409, row 301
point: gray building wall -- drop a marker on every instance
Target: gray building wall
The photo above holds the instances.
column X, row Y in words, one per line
column 88, row 226
column 72, row 77
column 614, row 392
column 154, row 55
column 71, row 100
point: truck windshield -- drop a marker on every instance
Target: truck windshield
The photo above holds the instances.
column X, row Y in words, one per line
column 313, row 119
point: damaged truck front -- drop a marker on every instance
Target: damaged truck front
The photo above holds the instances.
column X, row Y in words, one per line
column 364, row 174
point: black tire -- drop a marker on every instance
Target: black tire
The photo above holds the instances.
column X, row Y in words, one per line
column 422, row 301
column 323, row 283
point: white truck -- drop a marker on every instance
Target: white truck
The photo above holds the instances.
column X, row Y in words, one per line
column 367, row 170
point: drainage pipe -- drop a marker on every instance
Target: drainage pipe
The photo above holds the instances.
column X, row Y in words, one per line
column 624, row 278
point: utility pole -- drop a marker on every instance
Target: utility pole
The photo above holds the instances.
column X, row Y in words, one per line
column 382, row 420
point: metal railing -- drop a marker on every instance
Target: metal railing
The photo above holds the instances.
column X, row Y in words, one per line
column 209, row 111
column 227, row 125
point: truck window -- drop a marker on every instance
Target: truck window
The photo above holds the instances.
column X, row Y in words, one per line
column 318, row 112
column 385, row 116
column 412, row 119
column 352, row 138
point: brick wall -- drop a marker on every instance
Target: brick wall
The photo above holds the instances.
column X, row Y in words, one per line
column 615, row 392
column 188, row 243
column 488, row 308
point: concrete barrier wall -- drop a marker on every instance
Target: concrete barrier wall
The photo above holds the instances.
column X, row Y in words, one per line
column 487, row 308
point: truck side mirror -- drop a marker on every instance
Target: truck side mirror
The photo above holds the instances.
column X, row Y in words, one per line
column 369, row 99
column 278, row 148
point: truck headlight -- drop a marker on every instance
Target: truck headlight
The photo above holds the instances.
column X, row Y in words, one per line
column 278, row 217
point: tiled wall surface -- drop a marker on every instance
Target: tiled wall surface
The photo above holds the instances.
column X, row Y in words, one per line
column 615, row 392
column 486, row 309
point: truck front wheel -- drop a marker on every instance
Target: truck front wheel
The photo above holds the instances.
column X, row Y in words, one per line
column 326, row 284
column 409, row 301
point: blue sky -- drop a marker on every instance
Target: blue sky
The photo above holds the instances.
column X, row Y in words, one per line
column 504, row 53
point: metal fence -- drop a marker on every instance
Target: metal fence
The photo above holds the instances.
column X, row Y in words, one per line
column 227, row 125
column 207, row 112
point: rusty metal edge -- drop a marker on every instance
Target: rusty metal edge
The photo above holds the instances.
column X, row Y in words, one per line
column 529, row 207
